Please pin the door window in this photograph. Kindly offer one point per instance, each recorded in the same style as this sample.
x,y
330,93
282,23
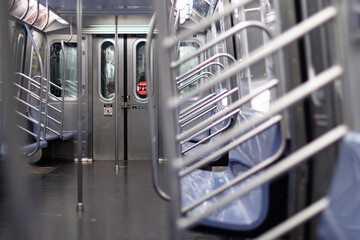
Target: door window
x,y
107,71
140,80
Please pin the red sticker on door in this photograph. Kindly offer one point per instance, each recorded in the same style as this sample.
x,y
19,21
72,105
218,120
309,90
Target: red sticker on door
x,y
141,88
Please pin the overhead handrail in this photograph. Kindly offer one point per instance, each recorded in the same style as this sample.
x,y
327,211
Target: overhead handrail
x,y
289,36
154,150
181,79
293,160
41,93
37,13
235,105
237,28
279,105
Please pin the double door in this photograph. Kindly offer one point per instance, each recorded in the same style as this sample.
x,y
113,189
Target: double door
x,y
133,126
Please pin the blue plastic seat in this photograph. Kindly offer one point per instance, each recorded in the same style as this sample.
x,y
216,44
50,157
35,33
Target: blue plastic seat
x,y
248,212
341,219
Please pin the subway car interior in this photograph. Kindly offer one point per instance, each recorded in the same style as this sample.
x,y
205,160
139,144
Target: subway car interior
x,y
179,119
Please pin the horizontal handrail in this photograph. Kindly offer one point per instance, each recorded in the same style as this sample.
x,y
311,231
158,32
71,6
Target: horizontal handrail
x,y
224,149
27,131
199,115
260,53
296,220
51,83
237,28
195,79
293,160
200,101
208,127
279,105
180,79
193,73
255,169
206,104
230,108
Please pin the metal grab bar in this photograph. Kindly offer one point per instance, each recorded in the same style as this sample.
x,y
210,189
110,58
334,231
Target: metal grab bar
x,y
63,90
226,117
230,108
37,13
213,134
198,27
205,105
71,32
224,149
154,149
200,101
237,28
180,79
271,47
191,81
300,156
203,113
204,102
199,70
296,220
255,169
279,105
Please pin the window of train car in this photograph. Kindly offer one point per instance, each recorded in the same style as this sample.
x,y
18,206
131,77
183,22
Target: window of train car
x,y
185,48
57,69
140,83
107,70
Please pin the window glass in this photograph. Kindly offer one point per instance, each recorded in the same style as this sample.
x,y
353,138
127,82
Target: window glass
x,y
57,69
185,49
107,73
141,84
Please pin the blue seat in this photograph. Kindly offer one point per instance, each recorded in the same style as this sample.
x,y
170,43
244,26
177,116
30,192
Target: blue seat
x,y
248,212
341,219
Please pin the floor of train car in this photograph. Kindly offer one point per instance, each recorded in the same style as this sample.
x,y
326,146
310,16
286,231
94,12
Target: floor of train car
x,y
122,206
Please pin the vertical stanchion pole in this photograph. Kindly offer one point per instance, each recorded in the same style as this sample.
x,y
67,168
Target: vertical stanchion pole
x,y
80,204
116,95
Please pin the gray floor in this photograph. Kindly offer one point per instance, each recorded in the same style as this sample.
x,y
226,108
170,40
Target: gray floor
x,y
122,206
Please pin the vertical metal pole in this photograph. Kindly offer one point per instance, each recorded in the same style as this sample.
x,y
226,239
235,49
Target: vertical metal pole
x,y
168,115
80,204
116,95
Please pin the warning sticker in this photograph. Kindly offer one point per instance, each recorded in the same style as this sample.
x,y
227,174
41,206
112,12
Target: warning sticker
x,y
141,88
108,110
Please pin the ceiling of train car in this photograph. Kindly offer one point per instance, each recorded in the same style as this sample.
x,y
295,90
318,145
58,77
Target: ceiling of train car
x,y
103,7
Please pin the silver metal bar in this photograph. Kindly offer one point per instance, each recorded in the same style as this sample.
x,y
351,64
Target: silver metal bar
x,y
237,28
271,47
80,203
255,169
37,13
224,149
300,156
51,83
117,79
195,79
40,95
298,219
185,110
63,90
226,117
230,108
205,105
29,78
71,32
180,79
279,105
27,131
206,111
28,118
211,135
176,22
191,73
210,100
26,103
195,28
151,109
